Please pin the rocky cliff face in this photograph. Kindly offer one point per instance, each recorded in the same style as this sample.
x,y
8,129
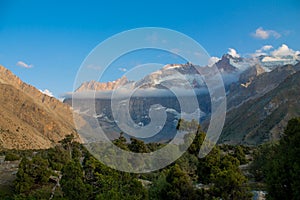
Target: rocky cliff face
x,y
30,119
250,74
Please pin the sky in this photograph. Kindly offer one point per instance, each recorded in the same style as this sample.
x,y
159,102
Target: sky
x,y
45,42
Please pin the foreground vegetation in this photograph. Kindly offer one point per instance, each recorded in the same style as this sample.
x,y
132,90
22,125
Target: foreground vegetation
x,y
69,171
278,164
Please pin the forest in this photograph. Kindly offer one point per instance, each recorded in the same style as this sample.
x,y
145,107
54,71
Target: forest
x,y
69,171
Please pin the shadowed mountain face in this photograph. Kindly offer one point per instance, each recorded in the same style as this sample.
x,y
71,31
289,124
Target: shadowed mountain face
x,y
262,119
30,119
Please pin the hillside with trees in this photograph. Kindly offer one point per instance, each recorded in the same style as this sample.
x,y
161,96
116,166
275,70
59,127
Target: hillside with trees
x,y
69,171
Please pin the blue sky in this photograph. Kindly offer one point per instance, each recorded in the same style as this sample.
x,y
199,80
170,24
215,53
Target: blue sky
x,y
45,42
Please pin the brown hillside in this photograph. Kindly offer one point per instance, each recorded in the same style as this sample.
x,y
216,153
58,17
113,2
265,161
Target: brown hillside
x,y
30,119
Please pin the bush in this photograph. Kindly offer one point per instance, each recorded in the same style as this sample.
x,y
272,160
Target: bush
x,y
11,157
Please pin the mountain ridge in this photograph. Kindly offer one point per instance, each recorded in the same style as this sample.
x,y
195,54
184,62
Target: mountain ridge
x,y
29,118
94,85
232,68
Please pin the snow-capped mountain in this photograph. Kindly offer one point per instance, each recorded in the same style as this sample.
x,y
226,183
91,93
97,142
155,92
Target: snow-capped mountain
x,y
233,68
245,79
173,76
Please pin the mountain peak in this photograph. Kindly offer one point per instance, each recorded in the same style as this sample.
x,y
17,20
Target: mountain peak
x,y
225,64
7,77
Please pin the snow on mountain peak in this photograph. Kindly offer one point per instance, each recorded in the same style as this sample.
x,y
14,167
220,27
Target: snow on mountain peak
x,y
268,59
233,53
231,66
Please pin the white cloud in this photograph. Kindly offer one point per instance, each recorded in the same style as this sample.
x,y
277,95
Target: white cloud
x,y
47,92
24,65
267,47
272,59
213,60
233,53
265,34
284,50
281,53
122,69
262,51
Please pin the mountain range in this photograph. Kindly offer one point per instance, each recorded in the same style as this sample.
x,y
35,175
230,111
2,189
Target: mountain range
x,y
253,85
262,95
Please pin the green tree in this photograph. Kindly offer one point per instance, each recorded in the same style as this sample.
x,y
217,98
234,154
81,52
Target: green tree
x,y
189,164
32,172
158,186
58,157
179,185
72,182
121,142
67,142
221,171
208,164
229,182
240,155
282,172
24,180
261,156
111,184
40,170
196,143
138,146
10,156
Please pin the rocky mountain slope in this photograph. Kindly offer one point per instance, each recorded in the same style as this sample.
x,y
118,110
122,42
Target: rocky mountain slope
x,y
30,119
262,119
256,85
